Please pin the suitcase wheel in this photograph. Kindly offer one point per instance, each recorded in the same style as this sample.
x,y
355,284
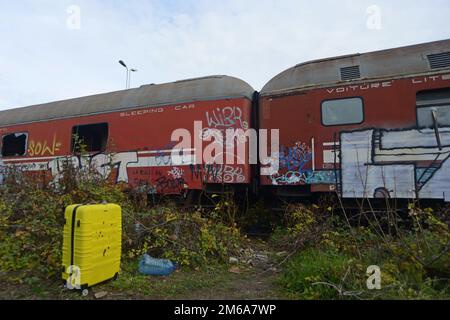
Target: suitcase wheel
x,y
84,290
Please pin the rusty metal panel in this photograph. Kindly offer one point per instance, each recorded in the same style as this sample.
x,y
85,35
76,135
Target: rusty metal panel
x,y
186,91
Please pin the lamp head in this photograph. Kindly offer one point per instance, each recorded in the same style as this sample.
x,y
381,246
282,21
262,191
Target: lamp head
x,y
123,63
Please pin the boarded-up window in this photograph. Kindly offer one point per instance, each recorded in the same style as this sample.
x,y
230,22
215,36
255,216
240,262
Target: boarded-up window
x,y
433,100
14,145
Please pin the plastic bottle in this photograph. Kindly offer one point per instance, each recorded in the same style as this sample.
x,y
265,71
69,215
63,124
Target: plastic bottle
x,y
156,267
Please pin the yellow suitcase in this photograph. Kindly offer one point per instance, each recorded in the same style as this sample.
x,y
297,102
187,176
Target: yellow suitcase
x,y
92,244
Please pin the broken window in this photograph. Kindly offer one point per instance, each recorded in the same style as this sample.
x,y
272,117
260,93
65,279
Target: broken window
x,y
14,145
90,138
433,101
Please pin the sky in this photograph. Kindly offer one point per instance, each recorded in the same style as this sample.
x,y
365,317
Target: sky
x,y
58,49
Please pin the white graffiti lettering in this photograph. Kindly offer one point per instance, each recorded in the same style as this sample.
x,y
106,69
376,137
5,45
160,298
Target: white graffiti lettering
x,y
224,174
223,118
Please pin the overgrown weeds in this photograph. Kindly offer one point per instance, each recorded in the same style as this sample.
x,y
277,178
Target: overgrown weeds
x,y
331,255
191,238
32,220
329,249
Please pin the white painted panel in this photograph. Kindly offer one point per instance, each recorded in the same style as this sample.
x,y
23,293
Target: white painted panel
x,y
439,185
398,180
410,157
361,178
413,138
329,156
168,161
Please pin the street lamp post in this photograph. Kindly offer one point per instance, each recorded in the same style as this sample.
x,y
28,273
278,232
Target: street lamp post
x,y
128,83
129,76
126,67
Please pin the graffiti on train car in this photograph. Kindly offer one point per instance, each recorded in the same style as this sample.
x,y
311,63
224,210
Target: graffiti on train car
x,y
171,180
324,177
139,165
406,163
103,163
196,171
134,161
401,163
227,117
219,173
176,173
167,184
219,152
227,128
293,162
43,148
163,157
229,147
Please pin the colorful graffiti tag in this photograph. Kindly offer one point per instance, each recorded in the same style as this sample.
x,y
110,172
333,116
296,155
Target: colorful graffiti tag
x,y
404,163
293,163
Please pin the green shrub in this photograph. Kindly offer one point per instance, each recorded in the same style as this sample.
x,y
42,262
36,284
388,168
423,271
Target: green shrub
x,y
191,238
32,221
414,260
319,274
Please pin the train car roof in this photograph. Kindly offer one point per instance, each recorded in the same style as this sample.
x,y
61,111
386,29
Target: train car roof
x,y
184,91
402,61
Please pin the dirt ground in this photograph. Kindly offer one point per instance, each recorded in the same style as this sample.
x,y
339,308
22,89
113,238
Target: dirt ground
x,y
257,281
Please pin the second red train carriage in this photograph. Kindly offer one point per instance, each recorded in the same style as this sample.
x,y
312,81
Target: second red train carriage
x,y
364,125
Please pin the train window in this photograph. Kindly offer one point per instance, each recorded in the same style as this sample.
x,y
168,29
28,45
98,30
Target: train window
x,y
342,112
433,100
14,145
90,138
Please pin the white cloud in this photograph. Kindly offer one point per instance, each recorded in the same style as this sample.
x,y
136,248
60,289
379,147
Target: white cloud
x,y
42,60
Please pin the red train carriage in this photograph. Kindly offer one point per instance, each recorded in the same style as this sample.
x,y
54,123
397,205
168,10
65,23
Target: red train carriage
x,y
130,131
364,125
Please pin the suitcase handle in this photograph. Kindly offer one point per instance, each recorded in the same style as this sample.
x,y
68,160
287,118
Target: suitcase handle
x,y
72,249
